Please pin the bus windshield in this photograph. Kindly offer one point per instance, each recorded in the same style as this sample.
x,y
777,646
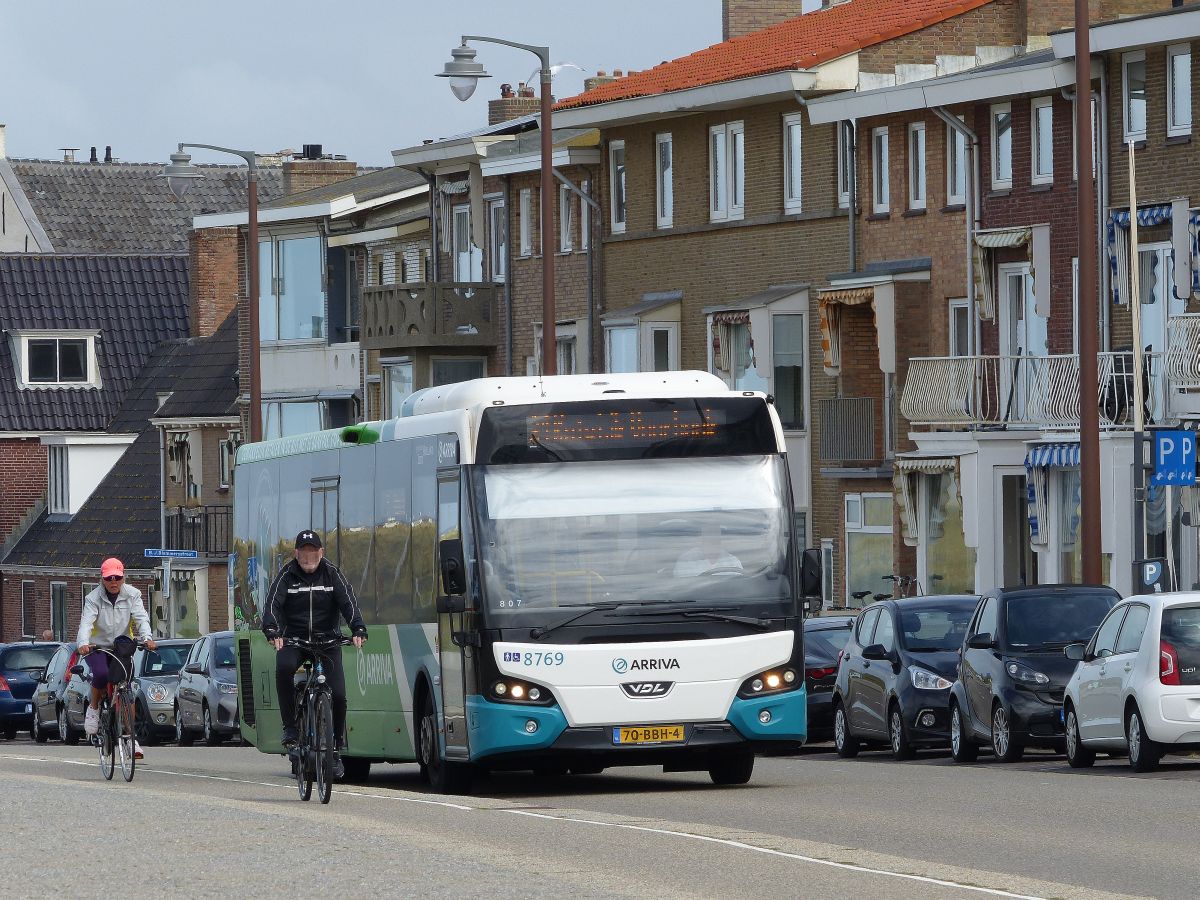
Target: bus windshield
x,y
634,531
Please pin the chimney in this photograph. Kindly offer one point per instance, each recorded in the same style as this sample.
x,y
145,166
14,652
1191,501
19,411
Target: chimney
x,y
3,148
94,157
313,169
108,153
213,285
68,153
740,17
512,105
601,77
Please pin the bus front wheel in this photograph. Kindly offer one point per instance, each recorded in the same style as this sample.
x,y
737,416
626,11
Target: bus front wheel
x,y
732,769
444,777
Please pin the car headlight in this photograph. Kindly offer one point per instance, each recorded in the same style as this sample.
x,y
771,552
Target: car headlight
x,y
928,681
157,693
1025,675
226,688
773,681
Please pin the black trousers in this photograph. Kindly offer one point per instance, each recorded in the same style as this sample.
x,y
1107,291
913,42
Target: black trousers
x,y
286,663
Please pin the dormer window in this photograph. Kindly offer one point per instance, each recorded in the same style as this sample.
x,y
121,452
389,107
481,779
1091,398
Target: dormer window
x,y
57,359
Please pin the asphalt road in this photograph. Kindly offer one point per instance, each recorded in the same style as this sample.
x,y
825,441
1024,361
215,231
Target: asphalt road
x,y
209,822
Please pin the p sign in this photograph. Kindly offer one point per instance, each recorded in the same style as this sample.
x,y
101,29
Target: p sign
x,y
1174,457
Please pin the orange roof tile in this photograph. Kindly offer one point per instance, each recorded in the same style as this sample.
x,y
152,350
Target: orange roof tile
x,y
798,43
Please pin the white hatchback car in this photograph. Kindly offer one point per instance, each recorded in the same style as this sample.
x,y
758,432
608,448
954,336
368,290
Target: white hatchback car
x,y
1136,688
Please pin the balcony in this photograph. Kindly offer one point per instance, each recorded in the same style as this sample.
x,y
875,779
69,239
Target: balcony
x,y
428,314
847,429
206,529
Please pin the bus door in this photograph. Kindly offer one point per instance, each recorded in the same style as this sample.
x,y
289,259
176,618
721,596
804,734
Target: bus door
x,y
454,659
323,514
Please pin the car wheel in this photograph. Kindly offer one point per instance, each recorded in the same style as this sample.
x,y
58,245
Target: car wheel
x,y
962,748
1006,748
66,733
844,742
1144,754
211,736
1078,756
142,729
37,733
183,737
10,732
901,747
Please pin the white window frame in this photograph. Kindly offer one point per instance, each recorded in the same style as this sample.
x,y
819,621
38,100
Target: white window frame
x,y
226,455
728,183
843,171
664,191
860,526
525,223
956,161
881,187
565,334
1000,183
58,479
1128,59
497,249
385,383
472,256
1036,137
565,219
916,166
956,307
793,189
27,626
608,344
804,372
1075,304
1176,126
617,225
92,379
61,629
585,216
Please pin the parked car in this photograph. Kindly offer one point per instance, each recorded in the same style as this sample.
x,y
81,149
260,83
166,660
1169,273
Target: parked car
x,y
893,683
206,701
824,638
1013,673
156,679
20,664
59,700
1136,687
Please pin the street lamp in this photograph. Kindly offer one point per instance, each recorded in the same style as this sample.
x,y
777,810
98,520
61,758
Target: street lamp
x,y
464,74
180,175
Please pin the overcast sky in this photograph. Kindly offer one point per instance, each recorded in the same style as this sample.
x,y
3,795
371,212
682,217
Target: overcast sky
x,y
353,75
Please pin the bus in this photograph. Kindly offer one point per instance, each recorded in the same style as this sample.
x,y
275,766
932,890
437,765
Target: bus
x,y
558,574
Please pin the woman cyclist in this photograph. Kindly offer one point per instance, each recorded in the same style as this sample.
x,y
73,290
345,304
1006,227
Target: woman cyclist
x,y
108,612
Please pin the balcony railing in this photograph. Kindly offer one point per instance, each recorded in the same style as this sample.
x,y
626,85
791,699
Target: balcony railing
x,y
206,529
847,429
1183,352
1031,391
428,314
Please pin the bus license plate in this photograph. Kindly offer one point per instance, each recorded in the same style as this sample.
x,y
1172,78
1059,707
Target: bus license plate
x,y
649,734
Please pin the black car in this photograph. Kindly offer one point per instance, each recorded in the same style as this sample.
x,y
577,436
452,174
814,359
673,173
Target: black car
x,y
893,683
20,664
824,638
1013,673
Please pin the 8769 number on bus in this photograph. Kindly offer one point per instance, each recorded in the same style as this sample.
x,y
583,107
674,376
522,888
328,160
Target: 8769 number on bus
x,y
535,657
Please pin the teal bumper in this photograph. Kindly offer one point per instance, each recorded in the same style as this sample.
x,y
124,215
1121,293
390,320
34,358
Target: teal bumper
x,y
789,719
501,727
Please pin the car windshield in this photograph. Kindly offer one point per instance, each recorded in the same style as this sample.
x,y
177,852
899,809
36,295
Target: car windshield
x,y
656,530
1055,620
165,660
826,642
27,658
940,627
1181,629
223,654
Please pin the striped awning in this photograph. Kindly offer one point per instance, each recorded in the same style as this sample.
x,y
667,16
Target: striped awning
x,y
906,472
829,320
1052,456
1147,216
732,317
848,296
925,463
1003,237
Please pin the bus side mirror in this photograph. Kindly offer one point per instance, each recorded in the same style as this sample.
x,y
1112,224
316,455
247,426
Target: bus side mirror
x,y
454,568
810,573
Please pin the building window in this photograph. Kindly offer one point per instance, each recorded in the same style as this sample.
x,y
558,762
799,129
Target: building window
x,y
616,184
227,454
585,216
1095,141
57,360
525,225
1133,93
468,259
28,610
843,165
59,491
566,224
949,564
1041,124
566,339
868,542
642,347
665,167
727,171
793,160
788,336
58,610
621,349
1002,146
916,165
291,288
1179,90
735,356
960,327
880,180
498,239
397,385
284,419
453,369
889,415
956,167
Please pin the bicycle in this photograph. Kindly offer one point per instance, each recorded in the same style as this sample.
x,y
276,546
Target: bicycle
x,y
905,584
312,757
118,715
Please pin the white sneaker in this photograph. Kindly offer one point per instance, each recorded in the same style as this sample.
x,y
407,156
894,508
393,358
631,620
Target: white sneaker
x,y
91,722
137,751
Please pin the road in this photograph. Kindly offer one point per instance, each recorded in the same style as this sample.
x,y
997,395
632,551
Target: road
x,y
219,822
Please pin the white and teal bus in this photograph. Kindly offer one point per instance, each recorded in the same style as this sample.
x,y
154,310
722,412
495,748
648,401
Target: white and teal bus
x,y
558,574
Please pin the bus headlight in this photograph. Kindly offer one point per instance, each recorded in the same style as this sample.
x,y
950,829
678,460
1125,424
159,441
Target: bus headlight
x,y
512,690
772,681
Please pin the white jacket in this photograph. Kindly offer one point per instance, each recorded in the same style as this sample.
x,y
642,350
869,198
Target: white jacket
x,y
104,620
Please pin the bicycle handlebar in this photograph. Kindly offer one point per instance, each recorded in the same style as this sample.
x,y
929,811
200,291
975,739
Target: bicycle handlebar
x,y
340,640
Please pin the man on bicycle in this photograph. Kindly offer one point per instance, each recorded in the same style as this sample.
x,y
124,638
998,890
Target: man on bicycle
x,y
108,612
304,601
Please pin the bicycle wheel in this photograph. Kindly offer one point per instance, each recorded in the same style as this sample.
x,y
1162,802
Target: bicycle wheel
x,y
326,746
304,774
104,740
125,734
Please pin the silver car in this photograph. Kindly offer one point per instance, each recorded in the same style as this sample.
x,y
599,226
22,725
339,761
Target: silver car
x,y
207,701
156,680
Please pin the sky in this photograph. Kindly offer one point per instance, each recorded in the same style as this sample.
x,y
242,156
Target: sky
x,y
355,76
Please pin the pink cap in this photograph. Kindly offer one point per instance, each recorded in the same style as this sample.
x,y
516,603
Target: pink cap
x,y
112,566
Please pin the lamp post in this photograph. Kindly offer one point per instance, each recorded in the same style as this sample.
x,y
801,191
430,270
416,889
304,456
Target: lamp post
x,y
180,174
464,74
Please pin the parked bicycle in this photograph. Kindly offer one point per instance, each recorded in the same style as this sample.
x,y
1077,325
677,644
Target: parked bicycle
x,y
115,736
313,756
904,585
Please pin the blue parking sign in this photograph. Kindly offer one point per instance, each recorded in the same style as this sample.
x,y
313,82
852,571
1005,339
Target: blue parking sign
x,y
1174,457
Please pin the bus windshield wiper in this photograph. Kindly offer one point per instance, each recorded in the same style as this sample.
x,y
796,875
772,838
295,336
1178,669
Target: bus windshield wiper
x,y
553,454
543,630
707,612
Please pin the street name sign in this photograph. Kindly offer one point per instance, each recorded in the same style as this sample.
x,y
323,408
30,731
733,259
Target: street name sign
x,y
155,553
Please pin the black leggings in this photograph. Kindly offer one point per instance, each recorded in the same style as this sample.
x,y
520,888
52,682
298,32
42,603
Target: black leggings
x,y
287,662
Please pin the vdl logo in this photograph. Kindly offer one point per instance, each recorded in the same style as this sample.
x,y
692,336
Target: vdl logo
x,y
620,666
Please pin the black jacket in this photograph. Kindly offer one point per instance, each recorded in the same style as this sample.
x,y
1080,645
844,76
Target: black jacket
x,y
307,606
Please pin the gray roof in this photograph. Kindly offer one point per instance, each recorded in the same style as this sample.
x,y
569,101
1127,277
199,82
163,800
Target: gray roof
x,y
649,303
762,298
208,386
135,302
531,142
369,186
886,267
127,207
